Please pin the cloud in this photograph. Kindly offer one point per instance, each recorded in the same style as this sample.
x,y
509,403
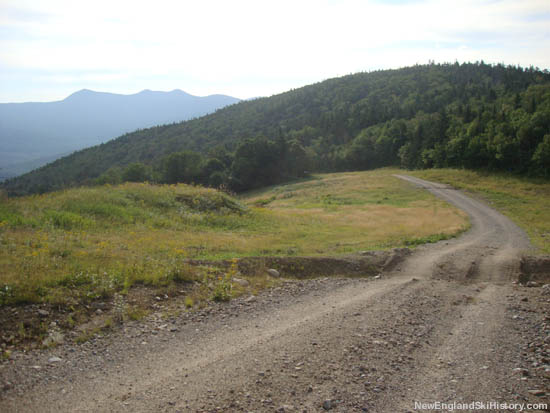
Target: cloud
x,y
257,47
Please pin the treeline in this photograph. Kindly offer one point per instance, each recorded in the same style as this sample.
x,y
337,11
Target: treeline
x,y
255,163
469,115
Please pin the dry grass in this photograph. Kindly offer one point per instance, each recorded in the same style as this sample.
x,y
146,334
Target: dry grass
x,y
86,243
347,212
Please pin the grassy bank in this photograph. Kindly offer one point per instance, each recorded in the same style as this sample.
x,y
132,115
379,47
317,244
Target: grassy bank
x,y
525,201
82,244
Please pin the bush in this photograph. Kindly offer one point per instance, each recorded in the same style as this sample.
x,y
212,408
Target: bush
x,y
66,220
10,216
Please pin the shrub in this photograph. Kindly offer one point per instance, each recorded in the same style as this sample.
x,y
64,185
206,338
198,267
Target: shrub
x,y
66,220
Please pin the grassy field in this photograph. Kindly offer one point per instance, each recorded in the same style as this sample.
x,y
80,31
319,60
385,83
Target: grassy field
x,y
82,244
349,212
526,201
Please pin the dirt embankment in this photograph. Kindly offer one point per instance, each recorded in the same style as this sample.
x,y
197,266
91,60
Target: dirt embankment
x,y
535,269
367,263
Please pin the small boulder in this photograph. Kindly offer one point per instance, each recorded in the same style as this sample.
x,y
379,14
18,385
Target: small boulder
x,y
273,273
54,360
43,313
242,282
54,338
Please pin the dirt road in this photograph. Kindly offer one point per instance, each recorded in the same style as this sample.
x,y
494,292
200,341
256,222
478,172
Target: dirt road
x,y
446,325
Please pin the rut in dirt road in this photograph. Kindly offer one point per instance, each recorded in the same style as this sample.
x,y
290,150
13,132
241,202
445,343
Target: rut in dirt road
x,y
438,327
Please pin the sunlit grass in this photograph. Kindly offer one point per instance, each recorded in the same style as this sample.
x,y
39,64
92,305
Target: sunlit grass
x,y
347,212
526,201
86,243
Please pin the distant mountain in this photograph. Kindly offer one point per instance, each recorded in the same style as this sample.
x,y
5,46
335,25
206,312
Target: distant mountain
x,y
19,168
470,115
32,134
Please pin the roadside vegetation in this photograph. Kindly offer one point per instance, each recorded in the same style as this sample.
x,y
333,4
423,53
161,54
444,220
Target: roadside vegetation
x,y
83,244
524,200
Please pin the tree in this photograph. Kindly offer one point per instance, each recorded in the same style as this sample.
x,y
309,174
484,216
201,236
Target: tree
x,y
254,164
182,167
296,161
406,156
136,172
541,157
213,173
361,154
111,176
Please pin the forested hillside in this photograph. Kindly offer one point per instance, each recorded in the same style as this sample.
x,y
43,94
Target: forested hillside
x,y
456,115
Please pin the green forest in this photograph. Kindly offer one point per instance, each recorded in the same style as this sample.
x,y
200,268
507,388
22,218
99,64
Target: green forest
x,y
471,115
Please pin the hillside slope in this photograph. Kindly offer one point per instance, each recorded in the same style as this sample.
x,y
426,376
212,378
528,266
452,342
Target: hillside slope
x,y
33,131
468,115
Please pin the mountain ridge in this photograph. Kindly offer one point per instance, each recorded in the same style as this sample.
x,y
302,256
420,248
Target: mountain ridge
x,y
30,131
85,91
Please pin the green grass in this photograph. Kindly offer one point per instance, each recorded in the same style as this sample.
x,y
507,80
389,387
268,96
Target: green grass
x,y
526,201
82,244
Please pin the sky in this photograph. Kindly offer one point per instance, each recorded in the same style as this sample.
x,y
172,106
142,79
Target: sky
x,y
250,48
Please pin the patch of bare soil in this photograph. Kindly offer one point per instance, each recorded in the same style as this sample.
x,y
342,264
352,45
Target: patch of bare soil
x,y
27,327
35,326
448,323
366,263
535,269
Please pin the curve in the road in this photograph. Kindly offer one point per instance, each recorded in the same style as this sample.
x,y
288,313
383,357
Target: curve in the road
x,y
490,250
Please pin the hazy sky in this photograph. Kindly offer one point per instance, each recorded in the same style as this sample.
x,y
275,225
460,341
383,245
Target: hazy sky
x,y
51,48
